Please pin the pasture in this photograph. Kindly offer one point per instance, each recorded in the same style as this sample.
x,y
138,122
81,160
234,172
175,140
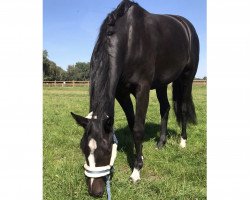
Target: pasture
x,y
169,173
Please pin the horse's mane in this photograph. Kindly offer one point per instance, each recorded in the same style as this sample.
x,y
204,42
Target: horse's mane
x,y
99,65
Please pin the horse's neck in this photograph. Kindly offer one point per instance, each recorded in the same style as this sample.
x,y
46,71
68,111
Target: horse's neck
x,y
103,100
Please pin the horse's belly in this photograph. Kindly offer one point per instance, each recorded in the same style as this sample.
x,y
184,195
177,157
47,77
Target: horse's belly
x,y
166,72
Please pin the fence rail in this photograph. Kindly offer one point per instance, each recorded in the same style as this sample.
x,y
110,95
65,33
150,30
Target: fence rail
x,y
82,83
64,83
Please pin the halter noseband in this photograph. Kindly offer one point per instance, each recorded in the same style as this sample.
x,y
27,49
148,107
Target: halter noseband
x,y
96,172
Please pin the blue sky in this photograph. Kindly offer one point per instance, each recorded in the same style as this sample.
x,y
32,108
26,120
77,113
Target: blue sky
x,y
70,27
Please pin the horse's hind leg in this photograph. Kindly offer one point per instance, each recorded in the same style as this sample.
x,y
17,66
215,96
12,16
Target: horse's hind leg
x,y
187,89
164,111
183,103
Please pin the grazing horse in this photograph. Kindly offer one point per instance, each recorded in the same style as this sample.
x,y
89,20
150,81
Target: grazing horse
x,y
136,51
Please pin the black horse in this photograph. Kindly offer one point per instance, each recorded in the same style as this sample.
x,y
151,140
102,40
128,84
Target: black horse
x,y
137,51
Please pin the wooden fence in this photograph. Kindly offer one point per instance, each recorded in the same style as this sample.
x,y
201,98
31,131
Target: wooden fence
x,y
82,83
200,82
64,83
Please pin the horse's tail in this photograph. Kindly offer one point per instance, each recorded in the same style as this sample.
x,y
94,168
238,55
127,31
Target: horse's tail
x,y
183,102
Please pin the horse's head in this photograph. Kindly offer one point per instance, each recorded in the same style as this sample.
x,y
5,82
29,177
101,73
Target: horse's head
x,y
99,150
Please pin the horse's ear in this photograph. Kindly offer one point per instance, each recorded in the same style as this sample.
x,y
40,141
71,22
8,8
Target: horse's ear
x,y
108,124
82,121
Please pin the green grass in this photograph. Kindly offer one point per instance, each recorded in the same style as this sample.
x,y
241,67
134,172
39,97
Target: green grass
x,y
169,173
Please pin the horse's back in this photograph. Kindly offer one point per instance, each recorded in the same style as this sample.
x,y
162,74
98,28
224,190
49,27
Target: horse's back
x,y
174,47
158,47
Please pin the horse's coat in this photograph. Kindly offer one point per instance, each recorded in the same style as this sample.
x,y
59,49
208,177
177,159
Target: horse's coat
x,y
137,51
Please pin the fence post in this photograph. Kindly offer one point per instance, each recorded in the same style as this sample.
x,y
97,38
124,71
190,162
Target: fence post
x,y
73,83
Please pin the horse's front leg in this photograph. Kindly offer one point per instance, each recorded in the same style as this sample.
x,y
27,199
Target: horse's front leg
x,y
142,98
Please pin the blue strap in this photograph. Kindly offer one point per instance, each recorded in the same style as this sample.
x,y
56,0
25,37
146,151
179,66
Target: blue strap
x,y
108,187
111,172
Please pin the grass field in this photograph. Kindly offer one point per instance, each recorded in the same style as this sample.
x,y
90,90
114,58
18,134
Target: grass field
x,y
170,173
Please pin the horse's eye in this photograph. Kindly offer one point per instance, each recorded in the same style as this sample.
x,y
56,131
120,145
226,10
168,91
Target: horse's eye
x,y
109,33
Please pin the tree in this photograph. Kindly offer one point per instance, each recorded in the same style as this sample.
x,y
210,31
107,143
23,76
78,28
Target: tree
x,y
78,72
71,73
51,71
46,63
82,69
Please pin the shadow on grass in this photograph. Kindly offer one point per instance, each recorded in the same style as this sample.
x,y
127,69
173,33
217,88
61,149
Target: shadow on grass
x,y
126,143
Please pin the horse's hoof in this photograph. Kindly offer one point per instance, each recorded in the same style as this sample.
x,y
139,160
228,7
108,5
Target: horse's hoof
x,y
183,143
135,176
134,180
160,144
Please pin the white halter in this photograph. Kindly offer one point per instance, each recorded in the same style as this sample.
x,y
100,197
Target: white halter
x,y
96,172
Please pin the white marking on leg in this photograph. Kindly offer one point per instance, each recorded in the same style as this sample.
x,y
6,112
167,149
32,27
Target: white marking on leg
x,y
91,158
183,143
135,176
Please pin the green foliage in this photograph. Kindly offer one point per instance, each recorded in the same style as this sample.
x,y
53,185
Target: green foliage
x,y
51,72
46,63
169,173
78,72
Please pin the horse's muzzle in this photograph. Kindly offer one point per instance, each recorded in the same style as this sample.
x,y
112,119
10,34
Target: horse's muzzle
x,y
96,194
97,188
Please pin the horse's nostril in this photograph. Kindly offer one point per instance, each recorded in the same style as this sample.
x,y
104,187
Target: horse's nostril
x,y
96,194
99,194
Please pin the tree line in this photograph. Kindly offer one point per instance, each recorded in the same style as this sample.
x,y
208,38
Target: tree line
x,y
75,72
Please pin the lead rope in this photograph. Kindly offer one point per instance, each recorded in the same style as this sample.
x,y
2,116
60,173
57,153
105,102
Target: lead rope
x,y
111,172
108,187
